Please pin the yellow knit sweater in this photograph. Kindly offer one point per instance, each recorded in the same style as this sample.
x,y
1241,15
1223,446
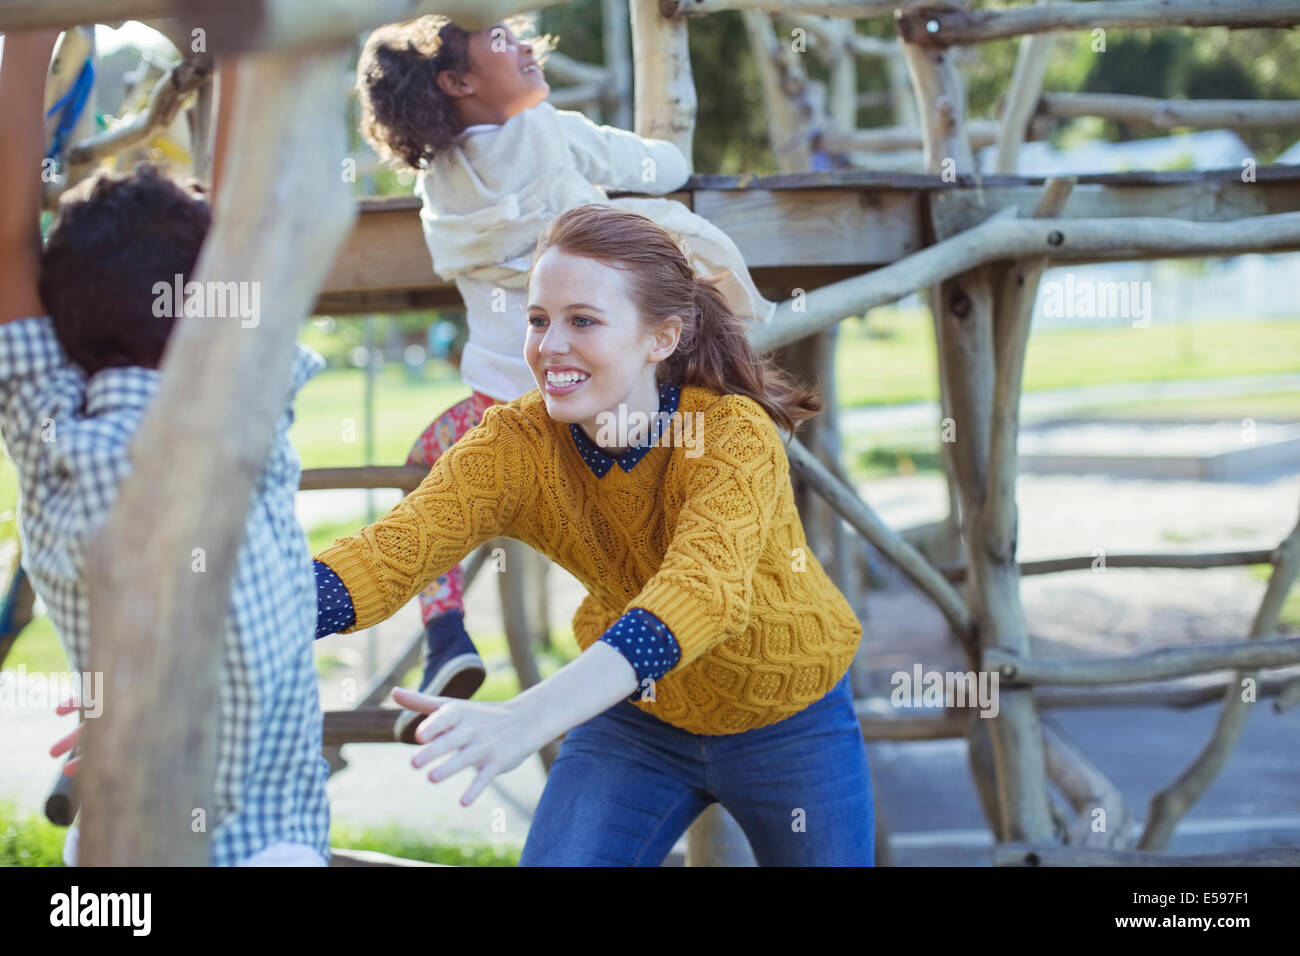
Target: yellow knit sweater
x,y
703,535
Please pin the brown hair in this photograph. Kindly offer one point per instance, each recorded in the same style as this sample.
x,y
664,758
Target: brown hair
x,y
405,116
713,350
115,237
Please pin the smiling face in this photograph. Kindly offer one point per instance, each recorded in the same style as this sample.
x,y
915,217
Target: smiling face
x,y
586,345
503,79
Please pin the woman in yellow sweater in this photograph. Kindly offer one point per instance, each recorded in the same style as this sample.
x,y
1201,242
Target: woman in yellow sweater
x,y
715,649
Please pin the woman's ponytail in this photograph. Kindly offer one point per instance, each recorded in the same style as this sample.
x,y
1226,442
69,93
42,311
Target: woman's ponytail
x,y
714,352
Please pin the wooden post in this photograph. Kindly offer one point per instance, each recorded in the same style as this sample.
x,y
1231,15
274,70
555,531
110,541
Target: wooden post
x,y
260,24
664,88
1022,95
792,107
157,626
614,38
963,308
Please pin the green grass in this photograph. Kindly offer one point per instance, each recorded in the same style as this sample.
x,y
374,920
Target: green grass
x,y
1288,619
397,842
38,649
329,425
1265,406
892,358
28,839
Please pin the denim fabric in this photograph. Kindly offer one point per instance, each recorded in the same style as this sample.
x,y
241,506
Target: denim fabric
x,y
626,785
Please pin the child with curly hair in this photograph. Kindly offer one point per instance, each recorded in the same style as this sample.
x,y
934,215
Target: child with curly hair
x,y
495,165
715,648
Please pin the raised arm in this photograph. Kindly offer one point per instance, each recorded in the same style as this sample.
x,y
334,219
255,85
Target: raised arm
x,y
25,60
618,159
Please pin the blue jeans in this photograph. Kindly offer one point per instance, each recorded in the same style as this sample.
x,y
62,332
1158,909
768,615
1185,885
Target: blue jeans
x,y
626,785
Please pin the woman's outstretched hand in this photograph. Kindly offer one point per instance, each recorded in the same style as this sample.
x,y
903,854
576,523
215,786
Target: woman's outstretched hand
x,y
492,737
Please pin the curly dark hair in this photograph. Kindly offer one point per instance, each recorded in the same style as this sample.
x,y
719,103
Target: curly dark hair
x,y
405,116
115,237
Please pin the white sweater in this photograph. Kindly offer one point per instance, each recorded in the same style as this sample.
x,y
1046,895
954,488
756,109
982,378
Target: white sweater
x,y
487,199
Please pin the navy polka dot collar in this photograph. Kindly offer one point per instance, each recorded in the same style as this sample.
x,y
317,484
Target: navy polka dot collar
x,y
600,463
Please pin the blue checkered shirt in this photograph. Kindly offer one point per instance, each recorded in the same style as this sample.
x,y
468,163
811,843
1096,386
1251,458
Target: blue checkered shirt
x,y
69,438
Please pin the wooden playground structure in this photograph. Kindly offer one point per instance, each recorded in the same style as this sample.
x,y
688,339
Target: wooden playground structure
x,y
826,244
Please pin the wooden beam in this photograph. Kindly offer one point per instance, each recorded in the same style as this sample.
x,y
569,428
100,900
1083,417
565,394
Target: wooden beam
x,y
1166,114
1154,665
1006,238
232,26
800,224
1089,791
405,477
1214,559
569,70
934,182
202,442
872,527
783,228
1182,694
944,27
362,725
982,133
851,9
831,44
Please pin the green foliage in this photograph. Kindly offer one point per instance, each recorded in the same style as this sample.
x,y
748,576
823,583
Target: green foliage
x,y
401,843
28,839
893,359
38,649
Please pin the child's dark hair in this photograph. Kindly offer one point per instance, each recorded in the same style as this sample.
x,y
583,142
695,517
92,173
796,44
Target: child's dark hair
x,y
405,116
713,350
115,237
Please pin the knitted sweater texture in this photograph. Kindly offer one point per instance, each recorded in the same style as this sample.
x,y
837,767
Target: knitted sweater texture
x,y
702,532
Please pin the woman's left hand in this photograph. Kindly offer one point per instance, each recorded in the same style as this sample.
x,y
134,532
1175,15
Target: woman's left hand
x,y
493,737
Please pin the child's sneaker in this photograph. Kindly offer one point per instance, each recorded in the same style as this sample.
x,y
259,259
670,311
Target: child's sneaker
x,y
452,668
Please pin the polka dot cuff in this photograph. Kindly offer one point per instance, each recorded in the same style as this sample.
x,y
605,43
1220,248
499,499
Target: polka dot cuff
x,y
647,643
334,610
